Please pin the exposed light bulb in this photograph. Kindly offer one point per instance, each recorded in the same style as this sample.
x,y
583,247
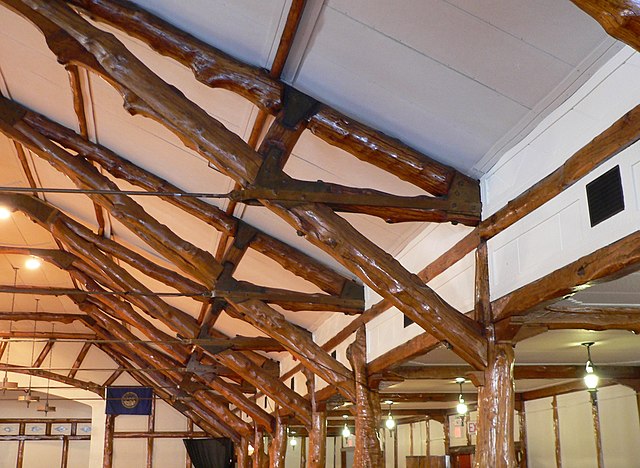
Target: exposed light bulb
x,y
293,442
33,263
346,432
250,450
591,379
390,423
461,407
5,213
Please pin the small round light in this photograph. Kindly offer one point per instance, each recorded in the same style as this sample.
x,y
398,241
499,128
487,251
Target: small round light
x,y
346,432
390,423
591,380
250,450
293,442
461,407
33,263
5,213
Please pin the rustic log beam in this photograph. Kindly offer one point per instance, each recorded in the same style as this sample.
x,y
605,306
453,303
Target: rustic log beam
x,y
113,377
613,261
318,432
620,18
231,155
90,386
208,63
47,335
41,317
299,344
278,447
418,397
495,445
367,452
239,343
561,389
78,362
46,349
581,317
119,167
619,136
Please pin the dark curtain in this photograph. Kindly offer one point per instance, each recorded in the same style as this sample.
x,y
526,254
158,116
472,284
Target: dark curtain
x,y
210,453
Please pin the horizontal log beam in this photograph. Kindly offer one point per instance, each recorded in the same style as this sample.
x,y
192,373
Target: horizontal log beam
x,y
620,18
613,261
239,343
47,335
581,317
42,317
561,389
520,372
160,435
90,386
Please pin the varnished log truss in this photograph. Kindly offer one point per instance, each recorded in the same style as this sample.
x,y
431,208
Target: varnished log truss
x,y
216,371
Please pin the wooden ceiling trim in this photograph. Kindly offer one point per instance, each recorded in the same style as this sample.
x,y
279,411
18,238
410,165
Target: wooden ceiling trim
x,y
43,354
47,335
623,133
148,94
215,68
41,316
288,257
79,359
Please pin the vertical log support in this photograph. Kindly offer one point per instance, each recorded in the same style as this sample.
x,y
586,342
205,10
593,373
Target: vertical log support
x,y
151,428
556,431
257,448
495,444
278,447
523,435
318,433
64,460
108,441
427,441
242,453
595,412
367,452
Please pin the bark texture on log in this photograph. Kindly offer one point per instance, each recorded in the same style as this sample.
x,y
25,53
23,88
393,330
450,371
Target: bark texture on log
x,y
318,432
620,18
278,447
495,444
367,452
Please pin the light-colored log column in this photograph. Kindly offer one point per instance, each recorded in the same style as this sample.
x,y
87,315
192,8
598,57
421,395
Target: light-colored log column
x,y
242,454
367,451
556,431
278,447
595,412
318,433
495,444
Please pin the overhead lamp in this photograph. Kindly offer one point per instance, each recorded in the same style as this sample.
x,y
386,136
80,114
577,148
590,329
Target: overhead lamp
x,y
250,450
6,383
389,422
5,213
590,377
345,431
293,442
33,263
461,407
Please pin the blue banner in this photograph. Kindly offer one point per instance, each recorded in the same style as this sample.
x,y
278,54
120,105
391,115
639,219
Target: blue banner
x,y
129,400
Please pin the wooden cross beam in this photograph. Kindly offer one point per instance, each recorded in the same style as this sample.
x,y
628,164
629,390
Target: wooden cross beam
x,y
520,372
90,386
620,18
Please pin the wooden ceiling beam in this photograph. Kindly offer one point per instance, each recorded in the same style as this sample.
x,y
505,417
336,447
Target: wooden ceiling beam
x,y
620,18
79,359
46,349
90,386
41,317
47,335
520,372
581,317
217,69
613,261
148,94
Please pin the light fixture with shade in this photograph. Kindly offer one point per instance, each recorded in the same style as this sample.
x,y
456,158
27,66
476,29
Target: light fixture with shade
x,y
32,263
345,430
389,422
590,377
6,383
47,408
292,438
5,213
461,407
29,398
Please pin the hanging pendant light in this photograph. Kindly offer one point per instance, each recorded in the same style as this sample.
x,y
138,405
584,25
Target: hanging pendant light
x,y
46,408
345,431
591,379
6,383
389,422
461,407
29,397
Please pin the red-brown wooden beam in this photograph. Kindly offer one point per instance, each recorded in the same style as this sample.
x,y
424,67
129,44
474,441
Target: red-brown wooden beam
x,y
620,18
78,362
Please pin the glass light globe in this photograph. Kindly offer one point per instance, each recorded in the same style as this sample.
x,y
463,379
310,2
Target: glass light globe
x,y
293,442
591,380
390,423
250,450
33,263
346,432
462,407
4,212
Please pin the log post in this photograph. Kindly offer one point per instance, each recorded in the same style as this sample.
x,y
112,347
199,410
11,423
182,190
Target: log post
x,y
495,445
108,440
257,448
595,412
278,447
556,431
367,452
318,433
151,428
523,435
242,454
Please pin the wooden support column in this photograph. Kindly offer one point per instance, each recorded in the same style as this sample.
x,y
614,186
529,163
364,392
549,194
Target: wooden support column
x,y
20,457
242,454
496,400
318,432
395,447
188,463
278,447
595,412
367,452
65,452
556,431
523,435
108,440
258,451
447,435
303,452
151,427
427,442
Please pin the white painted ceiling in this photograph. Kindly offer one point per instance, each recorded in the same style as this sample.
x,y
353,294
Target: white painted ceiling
x,y
459,80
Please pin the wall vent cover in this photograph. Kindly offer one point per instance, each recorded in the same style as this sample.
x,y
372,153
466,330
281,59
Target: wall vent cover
x,y
605,197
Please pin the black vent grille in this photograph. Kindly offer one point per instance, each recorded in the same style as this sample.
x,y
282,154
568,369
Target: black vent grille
x,y
605,197
407,321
